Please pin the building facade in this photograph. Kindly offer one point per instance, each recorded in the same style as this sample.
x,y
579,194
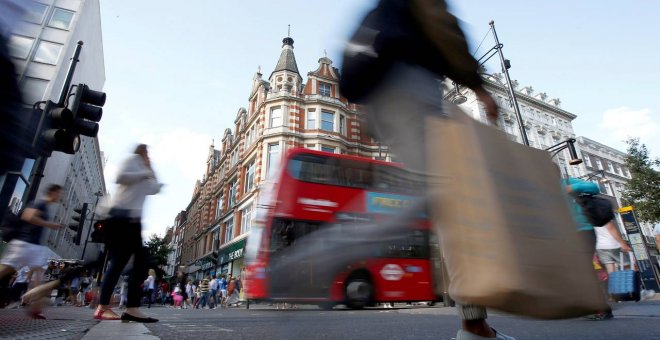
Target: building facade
x,y
606,164
607,168
545,122
283,112
41,49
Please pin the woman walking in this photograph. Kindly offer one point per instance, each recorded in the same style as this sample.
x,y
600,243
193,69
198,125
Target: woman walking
x,y
136,180
190,295
149,286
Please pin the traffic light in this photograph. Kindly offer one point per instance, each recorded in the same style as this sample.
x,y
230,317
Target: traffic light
x,y
87,110
54,131
97,233
78,217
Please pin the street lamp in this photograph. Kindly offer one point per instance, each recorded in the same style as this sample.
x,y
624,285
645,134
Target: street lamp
x,y
458,98
567,144
91,223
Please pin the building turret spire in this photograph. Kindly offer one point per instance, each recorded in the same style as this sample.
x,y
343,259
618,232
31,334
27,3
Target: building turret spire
x,y
287,59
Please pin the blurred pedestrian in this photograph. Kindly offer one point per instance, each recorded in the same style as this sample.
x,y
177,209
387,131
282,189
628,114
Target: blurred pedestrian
x,y
576,187
177,297
223,290
149,285
14,139
136,179
190,295
181,283
232,291
123,292
20,284
25,248
393,64
198,295
213,291
204,291
610,247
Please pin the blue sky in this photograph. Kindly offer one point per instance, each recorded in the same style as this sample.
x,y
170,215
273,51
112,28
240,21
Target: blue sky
x,y
177,75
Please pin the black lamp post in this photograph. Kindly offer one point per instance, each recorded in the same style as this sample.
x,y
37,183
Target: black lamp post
x,y
458,98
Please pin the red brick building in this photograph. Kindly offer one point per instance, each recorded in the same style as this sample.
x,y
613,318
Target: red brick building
x,y
283,113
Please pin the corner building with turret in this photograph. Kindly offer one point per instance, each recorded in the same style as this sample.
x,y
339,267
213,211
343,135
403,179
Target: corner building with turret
x,y
283,112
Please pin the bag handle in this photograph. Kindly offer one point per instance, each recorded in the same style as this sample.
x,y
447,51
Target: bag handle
x,y
631,258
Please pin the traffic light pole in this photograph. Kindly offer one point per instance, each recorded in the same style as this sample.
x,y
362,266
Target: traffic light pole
x,y
40,164
91,224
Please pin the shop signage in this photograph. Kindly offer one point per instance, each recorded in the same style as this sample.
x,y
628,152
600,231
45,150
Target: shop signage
x,y
646,270
206,262
231,252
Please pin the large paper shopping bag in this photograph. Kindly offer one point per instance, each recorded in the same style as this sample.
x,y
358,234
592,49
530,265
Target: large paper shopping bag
x,y
509,239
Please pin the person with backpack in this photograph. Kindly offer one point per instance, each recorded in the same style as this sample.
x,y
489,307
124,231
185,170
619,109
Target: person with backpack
x,y
583,211
25,248
392,65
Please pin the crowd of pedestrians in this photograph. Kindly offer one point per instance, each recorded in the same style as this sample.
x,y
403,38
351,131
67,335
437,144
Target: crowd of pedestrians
x,y
210,292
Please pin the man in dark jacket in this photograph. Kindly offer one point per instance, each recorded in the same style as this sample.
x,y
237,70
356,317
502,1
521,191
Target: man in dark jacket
x,y
393,64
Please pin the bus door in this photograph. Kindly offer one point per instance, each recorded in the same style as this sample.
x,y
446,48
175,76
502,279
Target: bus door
x,y
296,269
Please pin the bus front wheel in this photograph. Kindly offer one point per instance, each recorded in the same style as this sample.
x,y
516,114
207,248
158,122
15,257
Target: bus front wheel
x,y
359,292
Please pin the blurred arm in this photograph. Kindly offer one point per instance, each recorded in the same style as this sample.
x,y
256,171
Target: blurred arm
x,y
33,216
442,29
614,231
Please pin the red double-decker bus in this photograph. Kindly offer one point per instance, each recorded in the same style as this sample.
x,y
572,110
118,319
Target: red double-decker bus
x,y
332,232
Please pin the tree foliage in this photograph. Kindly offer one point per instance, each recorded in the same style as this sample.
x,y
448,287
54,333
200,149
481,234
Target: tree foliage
x,y
643,190
158,252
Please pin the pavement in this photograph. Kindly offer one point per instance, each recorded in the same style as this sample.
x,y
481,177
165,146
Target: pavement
x,y
261,321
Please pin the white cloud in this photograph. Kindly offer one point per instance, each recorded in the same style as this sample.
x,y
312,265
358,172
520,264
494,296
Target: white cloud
x,y
183,149
623,123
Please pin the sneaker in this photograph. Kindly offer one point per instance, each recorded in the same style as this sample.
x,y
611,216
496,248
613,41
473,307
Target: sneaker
x,y
647,294
600,316
465,335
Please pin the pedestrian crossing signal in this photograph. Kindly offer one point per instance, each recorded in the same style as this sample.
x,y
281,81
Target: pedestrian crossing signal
x,y
98,234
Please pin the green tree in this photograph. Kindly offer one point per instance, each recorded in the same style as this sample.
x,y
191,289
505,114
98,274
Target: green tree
x,y
158,252
643,190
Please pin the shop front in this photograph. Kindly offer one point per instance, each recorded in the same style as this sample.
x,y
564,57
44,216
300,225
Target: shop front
x,y
207,266
230,258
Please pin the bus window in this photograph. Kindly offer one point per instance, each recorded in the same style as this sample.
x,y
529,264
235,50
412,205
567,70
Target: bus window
x,y
285,233
349,173
414,245
315,169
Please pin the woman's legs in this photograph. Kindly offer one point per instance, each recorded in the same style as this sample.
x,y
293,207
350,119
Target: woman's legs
x,y
119,257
